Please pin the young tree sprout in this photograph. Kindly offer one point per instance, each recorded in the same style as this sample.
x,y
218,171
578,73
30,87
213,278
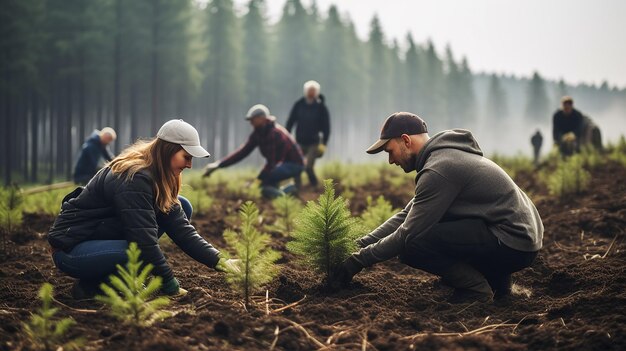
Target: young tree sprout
x,y
130,292
569,178
44,331
256,265
377,213
287,208
325,232
11,200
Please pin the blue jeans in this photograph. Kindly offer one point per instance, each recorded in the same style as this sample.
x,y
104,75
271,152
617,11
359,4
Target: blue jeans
x,y
94,260
270,181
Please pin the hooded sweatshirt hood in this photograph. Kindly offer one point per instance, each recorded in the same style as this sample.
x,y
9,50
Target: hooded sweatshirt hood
x,y
459,139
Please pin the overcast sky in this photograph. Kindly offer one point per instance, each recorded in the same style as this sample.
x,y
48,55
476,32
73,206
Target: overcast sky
x,y
577,40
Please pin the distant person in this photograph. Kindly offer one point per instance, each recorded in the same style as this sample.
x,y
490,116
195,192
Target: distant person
x,y
135,198
467,222
284,157
571,129
312,120
536,140
94,149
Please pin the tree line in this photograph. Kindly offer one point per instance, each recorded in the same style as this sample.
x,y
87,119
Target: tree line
x,y
69,66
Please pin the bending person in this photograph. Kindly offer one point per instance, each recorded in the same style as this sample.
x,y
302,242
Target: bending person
x,y
133,199
283,155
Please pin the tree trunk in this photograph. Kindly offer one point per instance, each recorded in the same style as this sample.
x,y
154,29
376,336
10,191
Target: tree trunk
x,y
155,69
117,71
34,132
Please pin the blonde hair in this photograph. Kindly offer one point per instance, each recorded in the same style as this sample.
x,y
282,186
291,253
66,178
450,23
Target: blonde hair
x,y
153,155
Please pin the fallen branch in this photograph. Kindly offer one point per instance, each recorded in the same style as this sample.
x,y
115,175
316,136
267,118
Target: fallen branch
x,y
610,246
481,330
43,188
293,304
74,309
306,333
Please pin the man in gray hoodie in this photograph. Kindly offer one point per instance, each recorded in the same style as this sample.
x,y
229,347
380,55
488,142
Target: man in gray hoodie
x,y
468,222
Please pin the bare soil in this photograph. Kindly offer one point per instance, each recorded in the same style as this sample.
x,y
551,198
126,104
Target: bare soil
x,y
572,298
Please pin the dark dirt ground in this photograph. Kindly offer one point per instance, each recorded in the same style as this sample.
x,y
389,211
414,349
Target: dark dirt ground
x,y
572,298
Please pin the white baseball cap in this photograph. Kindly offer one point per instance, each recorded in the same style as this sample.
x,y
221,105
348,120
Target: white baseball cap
x,y
257,110
180,132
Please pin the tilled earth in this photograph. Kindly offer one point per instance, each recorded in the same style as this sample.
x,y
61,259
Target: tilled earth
x,y
573,297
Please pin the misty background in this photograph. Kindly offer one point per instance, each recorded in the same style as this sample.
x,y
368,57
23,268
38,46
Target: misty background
x,y
68,67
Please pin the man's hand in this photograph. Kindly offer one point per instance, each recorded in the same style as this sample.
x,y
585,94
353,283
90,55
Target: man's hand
x,y
228,265
210,168
343,274
321,149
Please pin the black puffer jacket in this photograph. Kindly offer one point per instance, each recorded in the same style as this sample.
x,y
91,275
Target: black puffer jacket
x,y
310,120
110,208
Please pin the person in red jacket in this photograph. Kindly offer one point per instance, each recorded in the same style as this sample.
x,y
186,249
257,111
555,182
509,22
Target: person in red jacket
x,y
282,153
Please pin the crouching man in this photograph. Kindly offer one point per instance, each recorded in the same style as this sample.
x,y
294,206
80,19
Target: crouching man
x,y
468,222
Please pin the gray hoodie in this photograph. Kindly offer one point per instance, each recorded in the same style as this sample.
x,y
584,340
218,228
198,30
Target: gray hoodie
x,y
454,181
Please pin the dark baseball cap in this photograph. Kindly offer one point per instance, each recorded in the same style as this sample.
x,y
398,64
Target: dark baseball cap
x,y
395,125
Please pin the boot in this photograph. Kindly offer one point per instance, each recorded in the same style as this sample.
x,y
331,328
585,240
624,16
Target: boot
x,y
469,284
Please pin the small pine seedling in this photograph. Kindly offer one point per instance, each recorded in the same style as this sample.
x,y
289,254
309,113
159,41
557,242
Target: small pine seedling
x,y
44,331
569,178
377,213
11,200
325,232
132,304
287,208
256,259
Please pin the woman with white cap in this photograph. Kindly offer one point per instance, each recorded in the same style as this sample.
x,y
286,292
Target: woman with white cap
x,y
133,199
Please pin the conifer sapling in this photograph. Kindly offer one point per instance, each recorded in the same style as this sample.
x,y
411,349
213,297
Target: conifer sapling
x,y
44,331
255,266
11,200
377,213
325,232
287,209
134,306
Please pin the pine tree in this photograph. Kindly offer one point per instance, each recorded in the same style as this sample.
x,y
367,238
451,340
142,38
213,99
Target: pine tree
x,y
256,260
325,232
287,209
377,213
497,107
537,103
134,306
44,331
11,200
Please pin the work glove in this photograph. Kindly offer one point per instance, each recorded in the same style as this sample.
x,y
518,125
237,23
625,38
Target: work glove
x,y
210,168
343,274
228,265
321,148
172,288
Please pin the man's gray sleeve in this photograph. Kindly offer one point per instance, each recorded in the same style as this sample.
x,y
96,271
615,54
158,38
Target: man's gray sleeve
x,y
386,228
434,195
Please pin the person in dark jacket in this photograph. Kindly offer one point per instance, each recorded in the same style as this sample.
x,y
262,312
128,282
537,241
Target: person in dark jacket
x,y
284,157
312,120
571,129
468,222
93,150
536,141
133,199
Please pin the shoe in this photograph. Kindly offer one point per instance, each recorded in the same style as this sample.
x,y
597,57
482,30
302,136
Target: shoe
x,y
469,296
82,290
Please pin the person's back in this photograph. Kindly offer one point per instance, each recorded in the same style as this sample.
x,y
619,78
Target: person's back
x,y
486,191
93,149
310,120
